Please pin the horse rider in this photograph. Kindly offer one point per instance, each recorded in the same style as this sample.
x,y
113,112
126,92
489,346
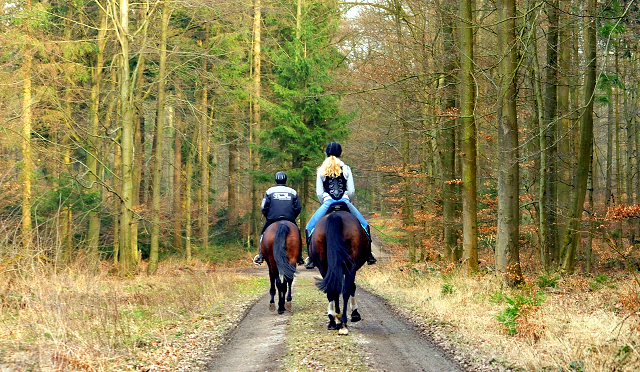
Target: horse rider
x,y
280,202
334,183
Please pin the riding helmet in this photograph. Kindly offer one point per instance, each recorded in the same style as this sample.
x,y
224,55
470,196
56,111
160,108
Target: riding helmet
x,y
334,149
281,178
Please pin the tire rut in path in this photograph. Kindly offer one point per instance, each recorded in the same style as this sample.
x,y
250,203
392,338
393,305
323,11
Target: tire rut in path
x,y
393,343
256,344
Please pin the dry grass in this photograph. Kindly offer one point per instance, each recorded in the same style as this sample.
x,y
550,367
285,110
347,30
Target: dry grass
x,y
580,325
310,347
73,321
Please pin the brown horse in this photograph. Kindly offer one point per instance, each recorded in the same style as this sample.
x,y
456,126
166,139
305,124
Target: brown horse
x,y
339,247
280,246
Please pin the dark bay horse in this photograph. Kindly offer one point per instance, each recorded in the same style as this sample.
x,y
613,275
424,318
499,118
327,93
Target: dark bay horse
x,y
339,247
280,246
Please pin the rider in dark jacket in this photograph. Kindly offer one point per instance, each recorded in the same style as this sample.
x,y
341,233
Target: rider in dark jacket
x,y
279,203
334,183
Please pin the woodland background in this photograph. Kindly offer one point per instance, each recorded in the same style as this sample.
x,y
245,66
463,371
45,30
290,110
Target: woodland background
x,y
494,146
136,131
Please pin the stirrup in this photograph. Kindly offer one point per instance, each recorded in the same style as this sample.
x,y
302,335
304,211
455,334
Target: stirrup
x,y
258,259
309,264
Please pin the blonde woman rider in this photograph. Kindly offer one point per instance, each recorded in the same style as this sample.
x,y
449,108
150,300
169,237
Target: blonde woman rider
x,y
334,183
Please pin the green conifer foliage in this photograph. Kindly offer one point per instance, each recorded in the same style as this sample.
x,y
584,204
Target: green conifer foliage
x,y
303,106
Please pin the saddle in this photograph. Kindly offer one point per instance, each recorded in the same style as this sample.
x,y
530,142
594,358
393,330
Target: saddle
x,y
339,206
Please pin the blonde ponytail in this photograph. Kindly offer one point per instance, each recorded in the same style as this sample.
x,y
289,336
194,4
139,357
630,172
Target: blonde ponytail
x,y
330,167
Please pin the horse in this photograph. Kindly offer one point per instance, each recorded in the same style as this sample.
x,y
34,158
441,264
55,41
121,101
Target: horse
x,y
280,246
338,248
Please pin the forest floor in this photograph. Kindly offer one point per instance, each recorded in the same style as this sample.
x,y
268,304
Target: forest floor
x,y
182,318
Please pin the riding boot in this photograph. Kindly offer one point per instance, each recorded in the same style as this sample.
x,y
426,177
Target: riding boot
x,y
309,264
258,259
300,259
370,260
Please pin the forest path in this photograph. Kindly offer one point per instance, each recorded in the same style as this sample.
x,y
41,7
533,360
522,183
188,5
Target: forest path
x,y
382,341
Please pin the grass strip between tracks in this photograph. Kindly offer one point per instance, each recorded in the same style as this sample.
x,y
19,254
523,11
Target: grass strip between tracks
x,y
310,346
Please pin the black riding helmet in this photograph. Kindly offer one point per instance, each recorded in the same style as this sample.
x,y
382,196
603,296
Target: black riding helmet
x,y
334,149
281,178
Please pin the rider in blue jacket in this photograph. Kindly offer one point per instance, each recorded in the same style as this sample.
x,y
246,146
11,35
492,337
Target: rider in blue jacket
x,y
334,183
279,203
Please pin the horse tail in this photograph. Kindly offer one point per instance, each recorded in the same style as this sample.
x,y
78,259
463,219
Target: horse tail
x,y
280,252
338,260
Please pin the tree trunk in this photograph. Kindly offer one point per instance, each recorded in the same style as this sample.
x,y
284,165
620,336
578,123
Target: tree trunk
x,y
232,201
158,142
564,147
126,109
507,254
590,232
448,146
550,110
408,194
178,211
616,101
586,140
204,163
542,200
94,147
467,120
187,195
254,133
27,160
609,197
630,158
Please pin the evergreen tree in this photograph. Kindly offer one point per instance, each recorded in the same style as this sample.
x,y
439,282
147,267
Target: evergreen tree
x,y
303,110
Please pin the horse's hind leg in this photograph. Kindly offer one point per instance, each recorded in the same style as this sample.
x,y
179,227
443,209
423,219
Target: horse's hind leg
x,y
272,292
355,315
287,305
346,293
332,312
282,291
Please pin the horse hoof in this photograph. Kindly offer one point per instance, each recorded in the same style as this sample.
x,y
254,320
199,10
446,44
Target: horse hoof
x,y
287,305
332,323
355,316
272,307
343,331
280,311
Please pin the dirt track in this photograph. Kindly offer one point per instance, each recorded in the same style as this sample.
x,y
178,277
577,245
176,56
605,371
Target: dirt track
x,y
385,340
